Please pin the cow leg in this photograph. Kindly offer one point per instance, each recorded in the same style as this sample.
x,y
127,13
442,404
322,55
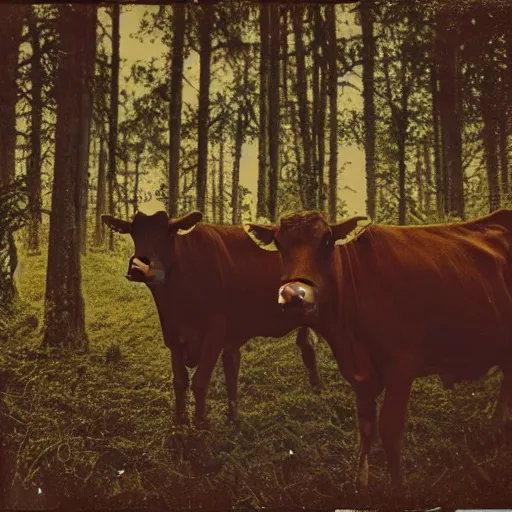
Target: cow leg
x,y
392,421
180,383
210,352
309,357
231,364
366,416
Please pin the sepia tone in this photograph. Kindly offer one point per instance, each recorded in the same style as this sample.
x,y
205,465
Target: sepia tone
x,y
145,357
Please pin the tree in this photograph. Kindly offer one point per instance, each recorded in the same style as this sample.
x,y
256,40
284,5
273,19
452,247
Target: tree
x,y
309,177
490,117
333,110
113,117
13,216
241,124
100,189
367,15
450,107
503,151
35,162
428,177
178,24
263,141
101,120
86,108
274,112
205,56
320,74
64,306
10,39
441,189
221,181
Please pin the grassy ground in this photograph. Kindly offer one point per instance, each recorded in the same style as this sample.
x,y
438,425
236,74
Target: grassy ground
x,y
97,429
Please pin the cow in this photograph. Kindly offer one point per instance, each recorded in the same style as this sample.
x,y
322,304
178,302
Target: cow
x,y
399,302
201,277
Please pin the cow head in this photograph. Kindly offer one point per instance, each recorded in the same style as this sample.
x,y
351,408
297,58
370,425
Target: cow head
x,y
154,239
307,244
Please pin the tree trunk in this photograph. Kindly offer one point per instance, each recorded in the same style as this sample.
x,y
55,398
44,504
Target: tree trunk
x,y
284,51
400,122
304,116
10,40
178,42
402,204
490,132
205,42
320,28
136,185
34,162
419,181
113,119
428,178
451,116
99,233
314,13
366,7
85,130
403,125
263,142
503,143
507,86
64,305
439,174
235,182
296,149
333,111
221,181
126,161
214,195
274,112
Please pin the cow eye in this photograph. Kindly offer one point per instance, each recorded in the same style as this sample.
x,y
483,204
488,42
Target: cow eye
x,y
327,240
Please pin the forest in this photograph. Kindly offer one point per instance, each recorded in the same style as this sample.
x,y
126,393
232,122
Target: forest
x,y
243,111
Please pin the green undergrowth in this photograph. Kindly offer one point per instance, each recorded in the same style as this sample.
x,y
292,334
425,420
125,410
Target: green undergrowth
x,y
97,429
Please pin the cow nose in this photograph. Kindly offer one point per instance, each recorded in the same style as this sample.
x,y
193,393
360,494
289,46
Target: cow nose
x,y
291,293
139,269
298,294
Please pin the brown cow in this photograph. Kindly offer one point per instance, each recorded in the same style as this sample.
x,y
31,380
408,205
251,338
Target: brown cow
x,y
396,303
204,291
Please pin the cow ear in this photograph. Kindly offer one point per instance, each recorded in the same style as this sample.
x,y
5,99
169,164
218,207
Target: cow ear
x,y
185,224
350,229
262,236
121,226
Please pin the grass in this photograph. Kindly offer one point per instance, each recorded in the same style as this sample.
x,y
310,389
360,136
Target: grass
x,y
97,429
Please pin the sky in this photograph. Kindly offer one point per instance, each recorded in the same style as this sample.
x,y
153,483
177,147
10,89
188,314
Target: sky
x,y
349,158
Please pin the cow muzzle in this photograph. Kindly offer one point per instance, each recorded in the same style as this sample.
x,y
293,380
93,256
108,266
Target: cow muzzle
x,y
140,270
298,295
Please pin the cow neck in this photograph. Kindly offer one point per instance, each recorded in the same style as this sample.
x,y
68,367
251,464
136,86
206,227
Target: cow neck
x,y
202,265
353,358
